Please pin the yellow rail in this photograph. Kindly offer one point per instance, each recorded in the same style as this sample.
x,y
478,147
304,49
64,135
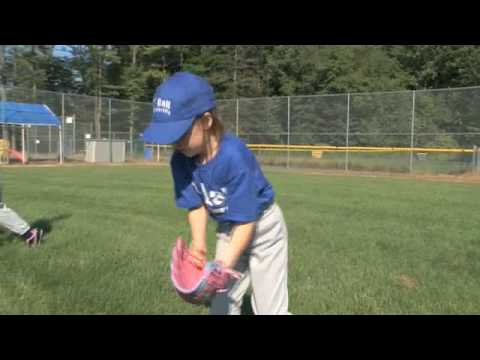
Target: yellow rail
x,y
327,148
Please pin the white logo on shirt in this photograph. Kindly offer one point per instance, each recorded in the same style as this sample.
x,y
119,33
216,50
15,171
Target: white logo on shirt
x,y
215,200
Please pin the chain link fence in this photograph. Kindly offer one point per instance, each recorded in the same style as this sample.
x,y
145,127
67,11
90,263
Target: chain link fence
x,y
423,131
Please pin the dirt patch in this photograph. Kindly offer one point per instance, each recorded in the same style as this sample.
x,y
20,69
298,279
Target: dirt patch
x,y
84,164
407,281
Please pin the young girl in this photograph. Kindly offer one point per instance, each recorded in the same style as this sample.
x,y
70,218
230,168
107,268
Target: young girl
x,y
215,174
10,220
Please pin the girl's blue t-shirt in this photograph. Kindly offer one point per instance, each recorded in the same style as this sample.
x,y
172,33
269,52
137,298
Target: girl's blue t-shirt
x,y
231,185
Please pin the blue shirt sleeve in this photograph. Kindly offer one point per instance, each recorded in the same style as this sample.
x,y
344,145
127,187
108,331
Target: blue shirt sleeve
x,y
241,189
185,195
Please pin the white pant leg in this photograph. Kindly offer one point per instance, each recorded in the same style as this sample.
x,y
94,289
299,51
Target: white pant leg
x,y
12,221
269,265
230,302
264,266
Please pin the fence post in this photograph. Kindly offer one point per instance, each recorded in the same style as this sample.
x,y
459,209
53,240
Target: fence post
x,y
412,135
49,140
347,134
478,159
24,144
110,128
131,142
236,118
74,130
288,132
3,99
475,160
35,146
27,148
60,130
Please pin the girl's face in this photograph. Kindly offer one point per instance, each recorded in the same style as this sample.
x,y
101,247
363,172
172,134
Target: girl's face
x,y
193,142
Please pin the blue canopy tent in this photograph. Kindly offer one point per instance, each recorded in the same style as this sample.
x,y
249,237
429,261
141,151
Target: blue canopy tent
x,y
12,113
21,114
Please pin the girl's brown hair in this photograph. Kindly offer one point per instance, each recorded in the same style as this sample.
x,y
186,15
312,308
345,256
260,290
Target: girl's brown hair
x,y
217,127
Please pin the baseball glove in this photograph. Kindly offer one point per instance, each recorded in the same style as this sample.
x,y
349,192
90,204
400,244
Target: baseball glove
x,y
198,285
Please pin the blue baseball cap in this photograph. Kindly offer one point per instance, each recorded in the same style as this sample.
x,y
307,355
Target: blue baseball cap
x,y
181,99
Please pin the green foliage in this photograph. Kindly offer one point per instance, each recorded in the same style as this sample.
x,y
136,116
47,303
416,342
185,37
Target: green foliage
x,y
93,62
439,66
59,75
245,70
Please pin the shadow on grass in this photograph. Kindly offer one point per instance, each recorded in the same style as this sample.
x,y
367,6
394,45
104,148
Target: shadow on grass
x,y
45,224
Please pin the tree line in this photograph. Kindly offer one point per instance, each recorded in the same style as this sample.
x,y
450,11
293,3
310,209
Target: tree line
x,y
134,71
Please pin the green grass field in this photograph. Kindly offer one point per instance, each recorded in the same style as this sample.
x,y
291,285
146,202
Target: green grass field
x,y
358,245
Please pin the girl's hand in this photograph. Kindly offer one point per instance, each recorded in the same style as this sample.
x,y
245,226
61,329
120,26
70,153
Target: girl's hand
x,y
198,256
